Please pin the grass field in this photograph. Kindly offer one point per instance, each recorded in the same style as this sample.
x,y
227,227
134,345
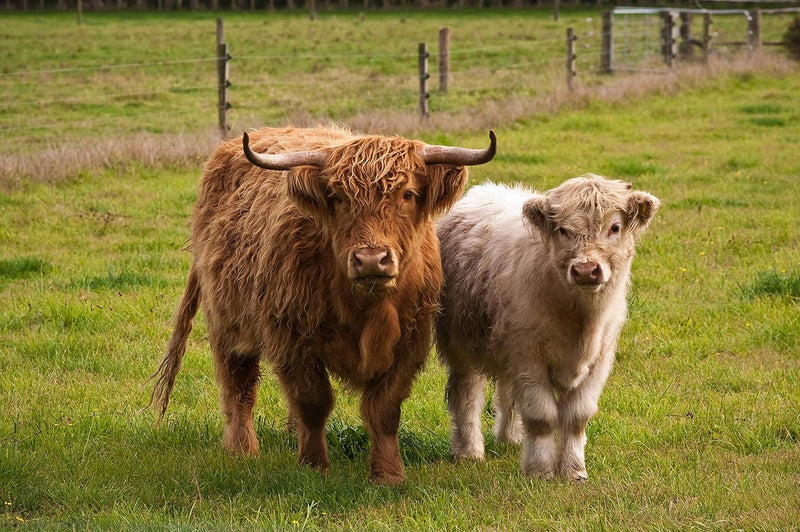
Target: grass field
x,y
699,425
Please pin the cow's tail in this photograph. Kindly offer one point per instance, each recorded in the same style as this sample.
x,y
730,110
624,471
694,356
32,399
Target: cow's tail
x,y
171,362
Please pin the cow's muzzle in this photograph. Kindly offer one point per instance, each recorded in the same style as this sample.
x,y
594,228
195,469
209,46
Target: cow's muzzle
x,y
372,269
589,276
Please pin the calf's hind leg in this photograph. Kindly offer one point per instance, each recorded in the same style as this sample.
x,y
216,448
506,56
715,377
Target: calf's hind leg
x,y
465,400
507,422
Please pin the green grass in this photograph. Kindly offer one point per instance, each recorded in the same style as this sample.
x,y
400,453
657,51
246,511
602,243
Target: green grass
x,y
698,426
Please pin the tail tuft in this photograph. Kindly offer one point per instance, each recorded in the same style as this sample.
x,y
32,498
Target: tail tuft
x,y
176,348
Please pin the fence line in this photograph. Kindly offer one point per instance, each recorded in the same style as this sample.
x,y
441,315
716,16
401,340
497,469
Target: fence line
x,y
166,62
92,122
541,53
121,95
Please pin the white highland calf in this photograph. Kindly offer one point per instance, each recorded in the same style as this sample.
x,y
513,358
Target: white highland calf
x,y
535,288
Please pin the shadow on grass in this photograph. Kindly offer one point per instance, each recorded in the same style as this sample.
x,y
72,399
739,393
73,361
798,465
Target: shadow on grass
x,y
62,466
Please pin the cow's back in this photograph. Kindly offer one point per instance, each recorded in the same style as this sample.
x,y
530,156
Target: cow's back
x,y
483,226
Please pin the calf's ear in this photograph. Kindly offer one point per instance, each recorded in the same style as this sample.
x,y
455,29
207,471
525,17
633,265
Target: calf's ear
x,y
308,190
641,208
536,212
445,186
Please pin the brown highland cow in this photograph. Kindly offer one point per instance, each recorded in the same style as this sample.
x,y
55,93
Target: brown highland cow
x,y
317,252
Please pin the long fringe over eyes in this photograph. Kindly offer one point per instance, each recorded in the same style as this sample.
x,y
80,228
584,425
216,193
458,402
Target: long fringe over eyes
x,y
373,160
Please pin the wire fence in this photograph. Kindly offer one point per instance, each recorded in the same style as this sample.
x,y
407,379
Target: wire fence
x,y
164,96
264,88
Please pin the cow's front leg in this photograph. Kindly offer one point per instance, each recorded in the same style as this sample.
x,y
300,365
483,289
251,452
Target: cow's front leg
x,y
380,411
537,407
308,391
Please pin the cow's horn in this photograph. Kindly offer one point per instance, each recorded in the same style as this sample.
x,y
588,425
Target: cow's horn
x,y
460,156
282,161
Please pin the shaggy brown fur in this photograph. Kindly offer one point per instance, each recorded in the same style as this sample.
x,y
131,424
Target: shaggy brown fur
x,y
273,266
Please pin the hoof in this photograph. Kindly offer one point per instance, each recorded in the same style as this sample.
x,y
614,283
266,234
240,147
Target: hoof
x,y
473,457
538,473
579,476
321,464
475,453
386,478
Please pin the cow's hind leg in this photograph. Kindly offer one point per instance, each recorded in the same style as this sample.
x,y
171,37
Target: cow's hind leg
x,y
238,376
308,391
507,421
465,399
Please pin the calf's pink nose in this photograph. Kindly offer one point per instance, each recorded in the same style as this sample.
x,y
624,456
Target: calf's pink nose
x,y
586,272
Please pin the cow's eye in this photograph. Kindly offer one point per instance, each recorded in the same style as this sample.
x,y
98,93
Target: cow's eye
x,y
615,229
563,232
408,195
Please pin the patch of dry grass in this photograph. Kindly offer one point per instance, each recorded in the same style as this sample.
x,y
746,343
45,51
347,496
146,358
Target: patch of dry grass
x,y
58,162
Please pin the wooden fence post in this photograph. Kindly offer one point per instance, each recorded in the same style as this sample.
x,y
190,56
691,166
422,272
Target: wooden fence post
x,y
444,58
607,49
685,47
570,57
707,21
423,80
754,29
669,41
223,58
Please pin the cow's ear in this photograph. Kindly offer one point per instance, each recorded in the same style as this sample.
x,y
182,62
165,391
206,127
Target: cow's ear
x,y
536,212
641,208
445,186
308,190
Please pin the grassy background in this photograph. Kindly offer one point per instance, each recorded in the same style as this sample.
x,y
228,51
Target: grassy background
x,y
143,86
699,425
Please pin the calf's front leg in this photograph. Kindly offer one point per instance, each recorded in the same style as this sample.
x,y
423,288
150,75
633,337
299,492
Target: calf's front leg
x,y
576,407
537,406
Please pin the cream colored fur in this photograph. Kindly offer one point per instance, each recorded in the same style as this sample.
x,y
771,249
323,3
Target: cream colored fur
x,y
516,308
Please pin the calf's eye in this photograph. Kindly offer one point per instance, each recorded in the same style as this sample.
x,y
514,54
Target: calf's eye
x,y
616,228
563,232
408,195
